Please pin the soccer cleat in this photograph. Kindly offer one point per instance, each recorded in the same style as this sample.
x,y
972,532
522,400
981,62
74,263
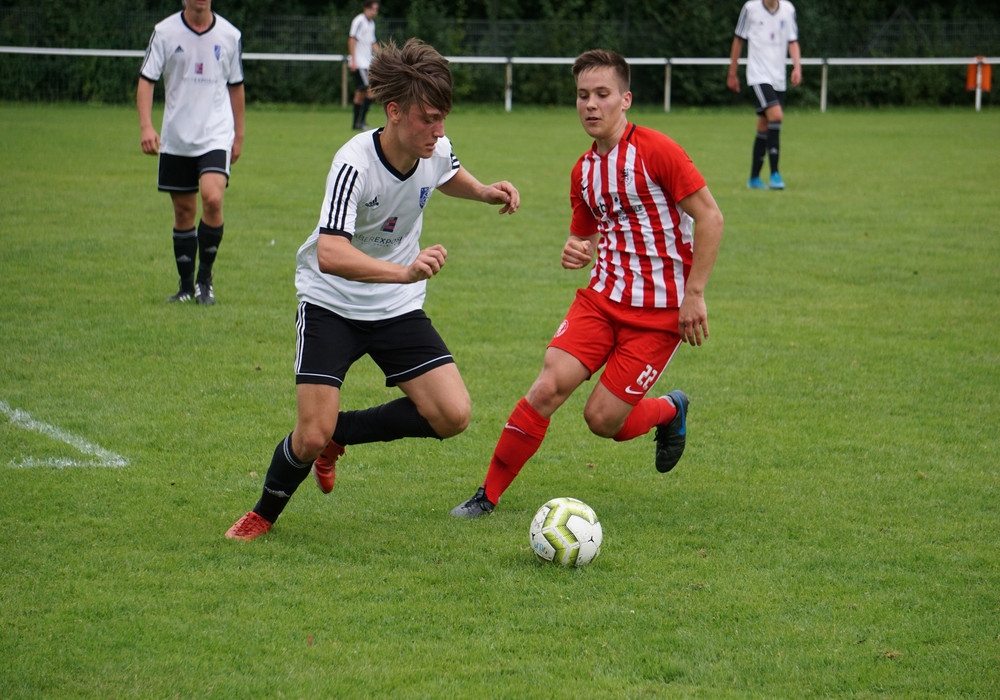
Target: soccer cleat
x,y
204,294
670,438
185,292
755,183
325,466
475,507
248,527
775,182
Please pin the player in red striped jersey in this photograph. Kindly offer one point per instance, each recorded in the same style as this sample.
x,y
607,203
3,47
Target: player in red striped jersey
x,y
640,205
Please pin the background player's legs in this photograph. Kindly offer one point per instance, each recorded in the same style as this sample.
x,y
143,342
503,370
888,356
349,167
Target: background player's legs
x,y
771,119
185,239
210,230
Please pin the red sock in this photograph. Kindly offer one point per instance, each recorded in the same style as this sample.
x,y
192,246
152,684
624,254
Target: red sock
x,y
646,414
519,440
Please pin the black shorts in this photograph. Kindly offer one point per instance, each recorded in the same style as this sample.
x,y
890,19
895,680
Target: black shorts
x,y
360,79
183,173
327,344
766,96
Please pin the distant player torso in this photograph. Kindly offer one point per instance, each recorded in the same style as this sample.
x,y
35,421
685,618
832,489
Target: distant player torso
x,y
197,70
767,35
363,33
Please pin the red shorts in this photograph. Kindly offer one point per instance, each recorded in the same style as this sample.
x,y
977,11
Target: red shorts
x,y
634,345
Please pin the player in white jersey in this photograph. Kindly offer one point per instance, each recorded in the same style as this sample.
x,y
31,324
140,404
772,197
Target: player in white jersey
x,y
639,204
771,33
361,278
360,48
199,56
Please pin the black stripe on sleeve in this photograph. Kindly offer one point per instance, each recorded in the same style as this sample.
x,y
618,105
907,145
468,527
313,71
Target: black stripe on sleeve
x,y
343,186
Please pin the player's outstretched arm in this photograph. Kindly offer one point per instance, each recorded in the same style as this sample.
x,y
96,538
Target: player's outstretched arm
x,y
708,221
465,186
149,140
796,54
733,78
338,257
237,100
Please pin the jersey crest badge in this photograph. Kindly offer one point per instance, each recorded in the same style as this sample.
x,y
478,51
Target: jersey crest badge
x,y
425,194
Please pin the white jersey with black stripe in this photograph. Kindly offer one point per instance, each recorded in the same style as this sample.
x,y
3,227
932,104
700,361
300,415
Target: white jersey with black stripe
x,y
767,35
197,71
363,33
381,211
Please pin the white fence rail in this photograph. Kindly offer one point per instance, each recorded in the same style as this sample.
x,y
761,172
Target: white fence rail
x,y
510,62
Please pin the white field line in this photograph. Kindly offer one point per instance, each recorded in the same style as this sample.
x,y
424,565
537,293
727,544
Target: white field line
x,y
105,458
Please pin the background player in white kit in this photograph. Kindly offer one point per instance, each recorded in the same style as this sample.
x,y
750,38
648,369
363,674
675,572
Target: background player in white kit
x,y
771,33
199,55
360,49
361,279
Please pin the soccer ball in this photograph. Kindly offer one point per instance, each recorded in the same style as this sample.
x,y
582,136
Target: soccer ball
x,y
566,531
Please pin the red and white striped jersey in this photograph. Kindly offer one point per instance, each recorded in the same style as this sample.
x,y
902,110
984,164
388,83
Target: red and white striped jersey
x,y
630,196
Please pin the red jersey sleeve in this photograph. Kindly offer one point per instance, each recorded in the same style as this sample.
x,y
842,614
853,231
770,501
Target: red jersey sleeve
x,y
583,223
668,163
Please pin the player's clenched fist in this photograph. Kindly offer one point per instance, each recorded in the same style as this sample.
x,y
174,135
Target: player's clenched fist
x,y
428,263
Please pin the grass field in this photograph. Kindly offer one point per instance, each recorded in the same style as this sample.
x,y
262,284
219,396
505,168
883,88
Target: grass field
x,y
832,531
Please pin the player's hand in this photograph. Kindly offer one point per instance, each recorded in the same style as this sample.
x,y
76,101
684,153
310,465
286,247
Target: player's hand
x,y
503,193
796,77
428,263
733,82
693,319
577,253
150,141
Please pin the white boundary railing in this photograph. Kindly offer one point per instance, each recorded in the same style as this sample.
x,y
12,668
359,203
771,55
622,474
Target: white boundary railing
x,y
510,62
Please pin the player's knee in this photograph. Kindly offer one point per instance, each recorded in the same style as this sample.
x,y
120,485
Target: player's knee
x,y
211,205
453,420
308,442
601,425
545,395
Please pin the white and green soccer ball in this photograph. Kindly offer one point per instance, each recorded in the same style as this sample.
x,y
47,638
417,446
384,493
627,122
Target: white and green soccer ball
x,y
566,531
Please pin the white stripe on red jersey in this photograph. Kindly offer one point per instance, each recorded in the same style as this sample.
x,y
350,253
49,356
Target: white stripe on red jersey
x,y
630,196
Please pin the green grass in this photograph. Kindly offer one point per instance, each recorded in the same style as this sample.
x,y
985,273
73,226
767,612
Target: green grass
x,y
832,530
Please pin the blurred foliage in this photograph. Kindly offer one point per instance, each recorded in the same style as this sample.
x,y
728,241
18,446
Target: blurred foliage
x,y
542,28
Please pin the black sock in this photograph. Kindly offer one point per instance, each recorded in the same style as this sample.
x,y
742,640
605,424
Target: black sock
x,y
185,250
283,477
759,151
364,111
209,238
390,421
773,144
357,116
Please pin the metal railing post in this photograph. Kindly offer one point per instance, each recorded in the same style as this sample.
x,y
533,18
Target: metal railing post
x,y
822,88
508,98
667,77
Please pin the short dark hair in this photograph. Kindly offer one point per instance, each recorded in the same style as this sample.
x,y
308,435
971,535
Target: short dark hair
x,y
603,58
414,74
